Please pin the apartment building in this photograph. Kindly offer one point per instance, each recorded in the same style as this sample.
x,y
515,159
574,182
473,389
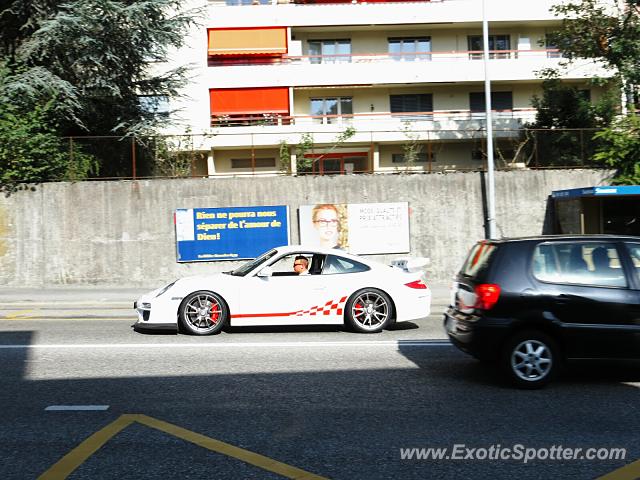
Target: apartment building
x,y
348,87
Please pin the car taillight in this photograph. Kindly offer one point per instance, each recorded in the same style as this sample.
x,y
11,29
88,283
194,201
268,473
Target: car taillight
x,y
488,294
419,284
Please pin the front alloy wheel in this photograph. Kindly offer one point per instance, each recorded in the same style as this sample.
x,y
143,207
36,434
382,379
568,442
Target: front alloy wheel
x,y
203,313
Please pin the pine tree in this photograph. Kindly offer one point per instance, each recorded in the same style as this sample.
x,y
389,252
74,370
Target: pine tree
x,y
91,61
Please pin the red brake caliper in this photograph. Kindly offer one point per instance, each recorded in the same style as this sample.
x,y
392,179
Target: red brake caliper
x,y
216,314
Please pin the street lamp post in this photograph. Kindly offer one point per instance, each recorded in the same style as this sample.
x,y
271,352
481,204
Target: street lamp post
x,y
491,207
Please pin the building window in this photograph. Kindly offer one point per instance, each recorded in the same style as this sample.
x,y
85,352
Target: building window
x,y
410,49
501,102
420,105
330,51
331,109
551,46
421,157
259,162
496,42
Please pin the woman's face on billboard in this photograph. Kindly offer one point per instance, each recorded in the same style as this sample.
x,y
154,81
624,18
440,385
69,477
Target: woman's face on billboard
x,y
326,223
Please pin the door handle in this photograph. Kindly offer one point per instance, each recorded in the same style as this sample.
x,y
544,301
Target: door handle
x,y
563,299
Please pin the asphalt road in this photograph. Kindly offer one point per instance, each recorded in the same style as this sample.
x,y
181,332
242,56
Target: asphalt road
x,y
284,403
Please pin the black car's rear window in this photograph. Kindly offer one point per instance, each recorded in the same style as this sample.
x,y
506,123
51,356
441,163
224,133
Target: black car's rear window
x,y
478,260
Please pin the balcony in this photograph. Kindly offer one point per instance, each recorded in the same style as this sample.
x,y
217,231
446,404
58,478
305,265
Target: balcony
x,y
373,68
288,13
269,129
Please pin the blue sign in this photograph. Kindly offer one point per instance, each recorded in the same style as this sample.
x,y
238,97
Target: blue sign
x,y
233,233
597,191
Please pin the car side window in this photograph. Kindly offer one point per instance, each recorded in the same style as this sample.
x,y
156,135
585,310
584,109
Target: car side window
x,y
634,253
283,267
334,264
584,263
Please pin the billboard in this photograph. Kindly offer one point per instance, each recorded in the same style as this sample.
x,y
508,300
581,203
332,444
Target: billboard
x,y
232,233
361,228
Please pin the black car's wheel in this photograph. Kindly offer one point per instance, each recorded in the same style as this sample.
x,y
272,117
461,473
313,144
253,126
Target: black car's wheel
x,y
369,310
531,359
203,313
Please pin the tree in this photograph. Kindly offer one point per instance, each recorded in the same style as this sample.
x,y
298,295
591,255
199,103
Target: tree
x,y
566,119
606,31
31,152
620,148
96,58
304,164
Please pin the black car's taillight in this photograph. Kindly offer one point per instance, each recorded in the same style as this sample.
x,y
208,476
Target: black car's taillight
x,y
487,295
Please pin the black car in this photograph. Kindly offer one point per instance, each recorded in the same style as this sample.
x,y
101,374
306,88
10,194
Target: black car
x,y
530,303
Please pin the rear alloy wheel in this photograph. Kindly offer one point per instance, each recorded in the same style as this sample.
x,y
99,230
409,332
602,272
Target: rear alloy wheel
x,y
203,313
531,359
369,310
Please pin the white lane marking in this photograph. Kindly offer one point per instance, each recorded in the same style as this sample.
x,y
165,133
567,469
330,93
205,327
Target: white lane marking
x,y
76,408
383,343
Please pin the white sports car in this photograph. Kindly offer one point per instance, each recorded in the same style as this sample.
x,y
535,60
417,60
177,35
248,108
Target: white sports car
x,y
339,288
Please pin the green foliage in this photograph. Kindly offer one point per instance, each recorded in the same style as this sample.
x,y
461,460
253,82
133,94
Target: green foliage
x,y
176,155
604,31
31,152
565,122
620,148
305,145
304,164
565,106
607,32
95,59
411,148
285,157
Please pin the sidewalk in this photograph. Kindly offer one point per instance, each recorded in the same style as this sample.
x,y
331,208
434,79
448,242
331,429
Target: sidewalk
x,y
70,295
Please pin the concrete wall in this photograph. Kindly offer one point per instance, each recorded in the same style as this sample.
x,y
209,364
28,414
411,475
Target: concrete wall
x,y
122,233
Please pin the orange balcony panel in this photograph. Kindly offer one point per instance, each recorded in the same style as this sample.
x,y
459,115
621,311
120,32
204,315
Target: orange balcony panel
x,y
247,41
238,101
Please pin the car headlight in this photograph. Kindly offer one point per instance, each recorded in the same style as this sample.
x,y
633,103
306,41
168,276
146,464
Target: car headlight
x,y
164,289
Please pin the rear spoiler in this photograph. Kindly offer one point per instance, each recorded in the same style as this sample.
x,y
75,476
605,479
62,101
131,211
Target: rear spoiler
x,y
411,264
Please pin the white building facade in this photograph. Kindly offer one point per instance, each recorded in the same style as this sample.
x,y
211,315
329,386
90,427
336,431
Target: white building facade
x,y
363,87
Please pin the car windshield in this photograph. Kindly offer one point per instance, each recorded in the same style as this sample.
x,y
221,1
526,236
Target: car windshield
x,y
247,267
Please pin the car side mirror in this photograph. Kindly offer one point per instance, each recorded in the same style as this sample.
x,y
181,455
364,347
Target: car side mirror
x,y
265,272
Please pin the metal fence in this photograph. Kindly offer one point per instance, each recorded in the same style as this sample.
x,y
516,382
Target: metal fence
x,y
182,156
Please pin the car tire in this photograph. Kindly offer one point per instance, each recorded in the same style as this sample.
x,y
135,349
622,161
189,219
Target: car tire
x,y
369,310
203,313
531,359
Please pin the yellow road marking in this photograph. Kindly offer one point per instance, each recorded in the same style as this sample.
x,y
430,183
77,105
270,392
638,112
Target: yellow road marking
x,y
72,460
17,315
628,472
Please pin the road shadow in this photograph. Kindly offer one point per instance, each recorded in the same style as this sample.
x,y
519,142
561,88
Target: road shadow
x,y
320,409
461,367
396,327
